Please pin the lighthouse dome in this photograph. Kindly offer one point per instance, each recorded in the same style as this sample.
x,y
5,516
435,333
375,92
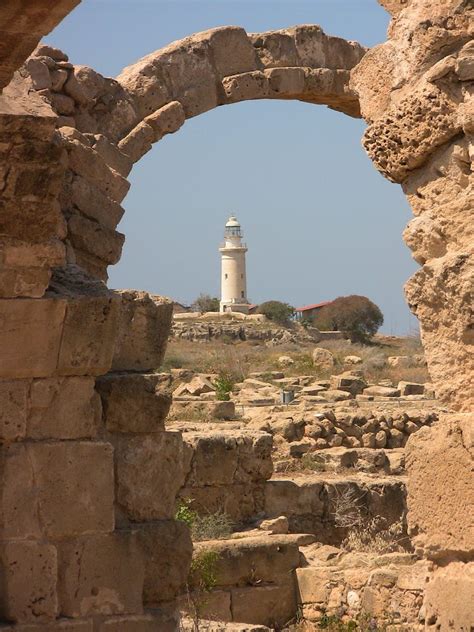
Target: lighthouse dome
x,y
232,221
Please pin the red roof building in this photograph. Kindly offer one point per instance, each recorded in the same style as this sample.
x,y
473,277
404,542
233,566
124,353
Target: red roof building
x,y
308,311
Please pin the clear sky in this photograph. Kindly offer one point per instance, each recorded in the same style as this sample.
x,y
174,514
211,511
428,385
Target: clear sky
x,y
319,220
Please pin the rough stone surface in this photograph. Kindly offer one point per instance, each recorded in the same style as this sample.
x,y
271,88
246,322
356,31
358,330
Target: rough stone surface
x,y
29,577
101,575
441,485
143,331
81,475
167,550
134,403
149,473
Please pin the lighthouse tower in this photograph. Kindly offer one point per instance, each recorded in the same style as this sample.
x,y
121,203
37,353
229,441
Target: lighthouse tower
x,y
233,274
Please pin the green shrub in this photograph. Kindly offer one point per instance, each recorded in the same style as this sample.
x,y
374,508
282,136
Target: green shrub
x,y
224,385
212,526
356,316
202,572
184,513
277,311
206,303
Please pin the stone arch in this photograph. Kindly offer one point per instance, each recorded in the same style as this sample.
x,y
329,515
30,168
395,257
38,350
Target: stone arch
x,y
64,180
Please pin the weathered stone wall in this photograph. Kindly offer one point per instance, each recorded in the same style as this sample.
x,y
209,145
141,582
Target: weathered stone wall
x,y
416,92
89,476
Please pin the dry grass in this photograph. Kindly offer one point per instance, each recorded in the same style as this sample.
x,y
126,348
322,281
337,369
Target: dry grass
x,y
239,359
365,534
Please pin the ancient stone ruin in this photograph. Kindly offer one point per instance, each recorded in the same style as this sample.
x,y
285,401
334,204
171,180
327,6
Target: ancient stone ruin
x,y
90,474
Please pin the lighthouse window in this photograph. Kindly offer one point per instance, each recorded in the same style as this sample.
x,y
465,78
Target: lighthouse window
x,y
226,275
242,294
241,276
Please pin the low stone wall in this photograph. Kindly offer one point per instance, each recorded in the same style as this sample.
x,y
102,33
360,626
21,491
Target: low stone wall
x,y
226,471
255,580
369,429
388,588
310,501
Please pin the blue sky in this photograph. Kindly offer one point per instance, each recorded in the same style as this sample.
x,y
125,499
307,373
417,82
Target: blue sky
x,y
319,220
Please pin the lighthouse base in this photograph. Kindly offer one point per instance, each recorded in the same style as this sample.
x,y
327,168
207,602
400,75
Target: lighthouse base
x,y
228,308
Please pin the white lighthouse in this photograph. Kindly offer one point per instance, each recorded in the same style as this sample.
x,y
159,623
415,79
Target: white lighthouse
x,y
233,273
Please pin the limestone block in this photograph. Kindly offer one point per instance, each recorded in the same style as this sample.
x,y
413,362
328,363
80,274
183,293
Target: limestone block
x,y
95,239
285,497
411,388
83,84
246,86
229,457
138,142
147,83
62,104
24,282
50,51
267,605
286,81
31,220
112,155
346,382
231,50
216,607
63,408
382,391
310,40
440,487
143,329
134,402
183,71
168,550
39,74
13,399
156,621
86,162
149,473
262,558
314,584
275,48
93,203
90,322
29,577
18,497
39,255
74,486
323,359
30,336
167,119
449,597
101,575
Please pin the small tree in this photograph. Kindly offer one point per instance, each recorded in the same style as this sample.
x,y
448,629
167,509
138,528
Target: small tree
x,y
354,315
206,303
277,311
